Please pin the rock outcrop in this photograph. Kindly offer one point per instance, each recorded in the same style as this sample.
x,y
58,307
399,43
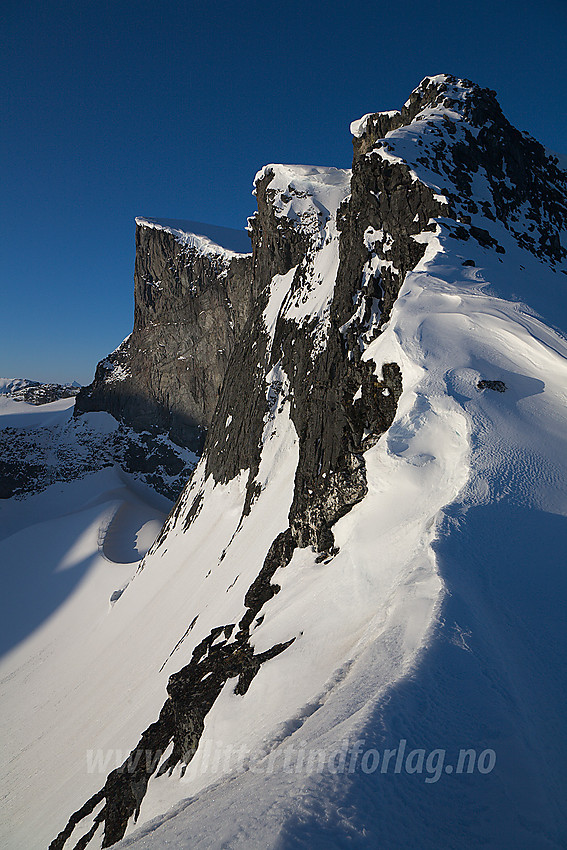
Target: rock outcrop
x,y
192,299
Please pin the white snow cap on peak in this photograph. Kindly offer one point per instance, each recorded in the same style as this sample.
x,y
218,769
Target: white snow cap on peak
x,y
210,239
436,79
326,174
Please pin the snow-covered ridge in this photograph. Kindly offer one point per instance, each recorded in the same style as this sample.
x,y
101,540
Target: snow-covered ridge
x,y
36,392
208,239
453,138
8,385
12,385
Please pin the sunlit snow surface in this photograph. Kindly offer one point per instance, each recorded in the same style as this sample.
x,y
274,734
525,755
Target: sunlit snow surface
x,y
440,622
207,238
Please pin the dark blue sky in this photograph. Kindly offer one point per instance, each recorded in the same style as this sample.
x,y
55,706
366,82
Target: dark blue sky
x,y
118,108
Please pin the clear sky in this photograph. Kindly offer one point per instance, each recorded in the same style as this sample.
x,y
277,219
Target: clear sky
x,y
118,108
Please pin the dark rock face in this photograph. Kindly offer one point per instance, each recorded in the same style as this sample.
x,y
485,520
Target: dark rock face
x,y
279,244
386,198
190,306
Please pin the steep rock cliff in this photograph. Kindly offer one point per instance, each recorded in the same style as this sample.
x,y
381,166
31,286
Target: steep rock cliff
x,y
192,299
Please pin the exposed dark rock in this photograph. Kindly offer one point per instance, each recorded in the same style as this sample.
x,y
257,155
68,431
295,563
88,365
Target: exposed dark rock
x,y
387,198
76,818
279,244
498,386
17,476
190,307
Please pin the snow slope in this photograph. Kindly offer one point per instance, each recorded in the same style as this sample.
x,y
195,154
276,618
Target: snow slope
x,y
447,633
437,627
20,414
63,553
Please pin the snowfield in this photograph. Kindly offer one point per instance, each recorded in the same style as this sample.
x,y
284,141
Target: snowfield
x,y
437,628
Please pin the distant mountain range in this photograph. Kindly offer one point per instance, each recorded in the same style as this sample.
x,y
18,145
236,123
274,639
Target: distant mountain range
x,y
35,392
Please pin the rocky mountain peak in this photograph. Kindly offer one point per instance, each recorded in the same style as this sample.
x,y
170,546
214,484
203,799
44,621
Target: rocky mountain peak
x,y
453,137
442,93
